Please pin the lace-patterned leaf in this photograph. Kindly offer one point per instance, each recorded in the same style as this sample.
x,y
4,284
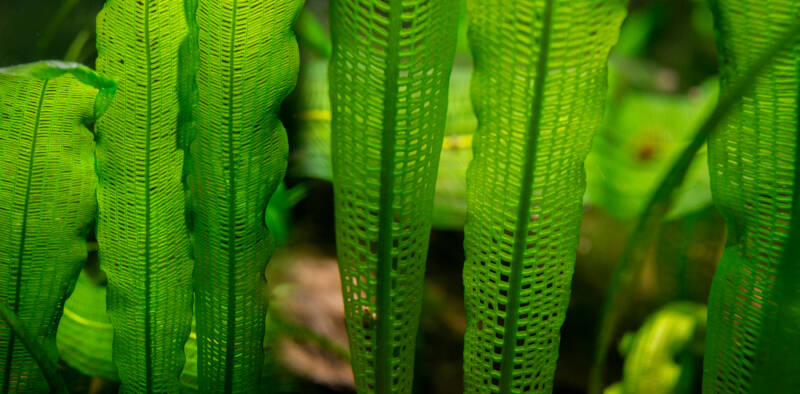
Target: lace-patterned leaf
x,y
47,204
752,160
141,230
389,74
538,90
248,62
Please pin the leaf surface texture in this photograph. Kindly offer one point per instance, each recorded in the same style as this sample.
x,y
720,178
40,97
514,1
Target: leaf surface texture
x,y
752,164
141,230
389,74
538,90
248,62
47,202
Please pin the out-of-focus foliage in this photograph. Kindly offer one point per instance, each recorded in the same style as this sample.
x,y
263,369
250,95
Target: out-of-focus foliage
x,y
644,134
658,205
660,357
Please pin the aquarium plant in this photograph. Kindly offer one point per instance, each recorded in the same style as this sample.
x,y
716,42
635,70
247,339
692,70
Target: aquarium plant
x,y
172,154
247,61
753,161
538,90
48,205
389,101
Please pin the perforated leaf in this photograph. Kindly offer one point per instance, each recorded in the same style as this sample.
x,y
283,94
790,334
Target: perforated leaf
x,y
248,63
538,90
141,231
752,164
313,155
389,73
47,202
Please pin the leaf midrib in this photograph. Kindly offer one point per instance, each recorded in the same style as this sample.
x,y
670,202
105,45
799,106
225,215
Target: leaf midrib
x,y
523,207
231,329
383,353
23,229
147,334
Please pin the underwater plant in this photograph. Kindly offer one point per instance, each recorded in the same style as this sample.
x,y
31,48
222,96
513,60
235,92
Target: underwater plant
x,y
143,240
538,91
247,61
753,162
389,101
47,205
174,152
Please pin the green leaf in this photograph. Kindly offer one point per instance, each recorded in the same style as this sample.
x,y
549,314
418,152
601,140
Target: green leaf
x,y
141,230
46,365
753,318
47,204
313,156
389,73
644,134
312,34
659,204
248,63
539,91
85,334
654,353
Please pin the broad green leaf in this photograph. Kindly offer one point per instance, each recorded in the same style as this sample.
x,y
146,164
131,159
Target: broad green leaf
x,y
539,90
141,229
247,64
659,358
753,321
659,204
389,74
780,334
85,337
47,203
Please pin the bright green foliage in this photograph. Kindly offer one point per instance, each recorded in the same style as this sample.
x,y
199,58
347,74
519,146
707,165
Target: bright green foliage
x,y
660,357
248,63
314,129
538,91
143,240
85,333
312,34
47,202
450,202
389,73
647,225
752,164
643,135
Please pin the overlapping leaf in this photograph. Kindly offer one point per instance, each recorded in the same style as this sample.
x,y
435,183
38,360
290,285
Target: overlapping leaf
x,y
47,203
753,164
